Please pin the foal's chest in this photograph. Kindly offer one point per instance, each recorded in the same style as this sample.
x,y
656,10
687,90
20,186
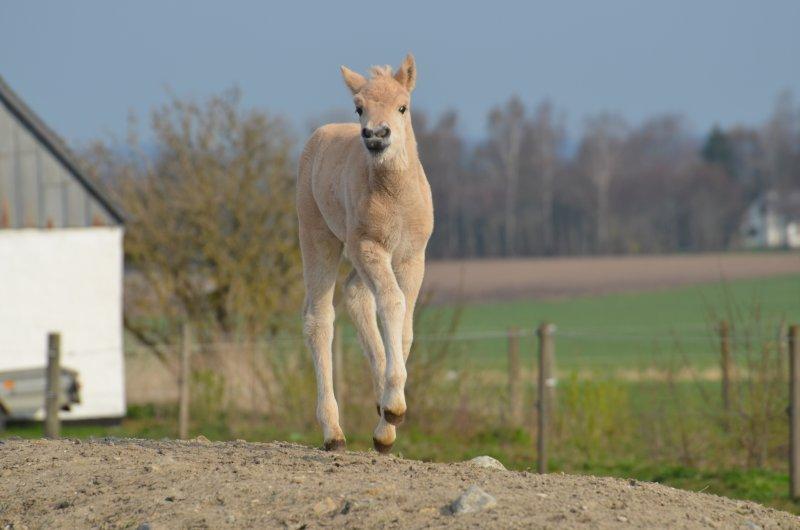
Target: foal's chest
x,y
402,224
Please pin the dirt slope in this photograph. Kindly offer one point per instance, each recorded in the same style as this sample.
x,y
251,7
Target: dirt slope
x,y
198,484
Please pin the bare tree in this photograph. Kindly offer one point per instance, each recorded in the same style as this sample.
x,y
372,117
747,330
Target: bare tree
x,y
506,135
781,138
545,133
441,151
211,228
600,156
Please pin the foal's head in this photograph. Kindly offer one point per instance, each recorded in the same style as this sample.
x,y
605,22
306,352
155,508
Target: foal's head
x,y
383,104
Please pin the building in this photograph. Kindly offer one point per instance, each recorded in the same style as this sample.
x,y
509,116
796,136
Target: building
x,y
61,262
773,221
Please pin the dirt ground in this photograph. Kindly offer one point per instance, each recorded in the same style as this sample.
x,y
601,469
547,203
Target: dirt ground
x,y
145,484
547,278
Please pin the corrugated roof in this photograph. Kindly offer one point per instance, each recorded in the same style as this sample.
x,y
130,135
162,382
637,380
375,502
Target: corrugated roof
x,y
55,145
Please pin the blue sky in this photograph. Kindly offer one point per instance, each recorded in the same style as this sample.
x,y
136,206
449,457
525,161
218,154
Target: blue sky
x,y
84,65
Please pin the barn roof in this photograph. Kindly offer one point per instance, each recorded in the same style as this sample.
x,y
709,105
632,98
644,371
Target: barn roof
x,y
55,145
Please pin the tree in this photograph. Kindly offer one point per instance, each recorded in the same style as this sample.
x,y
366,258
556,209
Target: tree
x,y
782,143
600,157
506,135
545,134
441,152
718,150
211,231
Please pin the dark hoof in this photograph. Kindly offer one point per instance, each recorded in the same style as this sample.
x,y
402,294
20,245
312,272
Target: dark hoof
x,y
394,419
335,445
377,406
382,448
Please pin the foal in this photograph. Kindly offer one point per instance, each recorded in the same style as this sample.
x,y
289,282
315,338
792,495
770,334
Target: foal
x,y
362,192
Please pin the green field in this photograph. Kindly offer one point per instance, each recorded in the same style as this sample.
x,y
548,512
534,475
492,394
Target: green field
x,y
632,328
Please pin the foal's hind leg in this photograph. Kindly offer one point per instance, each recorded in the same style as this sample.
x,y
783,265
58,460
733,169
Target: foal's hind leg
x,y
361,306
321,255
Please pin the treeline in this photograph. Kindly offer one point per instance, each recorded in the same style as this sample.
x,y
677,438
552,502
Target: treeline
x,y
528,189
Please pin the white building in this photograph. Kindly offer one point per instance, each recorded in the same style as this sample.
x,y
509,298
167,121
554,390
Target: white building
x,y
773,221
60,262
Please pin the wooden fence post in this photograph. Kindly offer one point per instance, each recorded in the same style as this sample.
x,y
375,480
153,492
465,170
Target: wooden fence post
x,y
514,388
794,411
339,389
52,425
184,381
546,382
725,365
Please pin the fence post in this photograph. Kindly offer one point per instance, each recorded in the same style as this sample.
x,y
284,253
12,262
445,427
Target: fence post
x,y
546,382
794,411
725,365
338,365
514,388
184,381
52,425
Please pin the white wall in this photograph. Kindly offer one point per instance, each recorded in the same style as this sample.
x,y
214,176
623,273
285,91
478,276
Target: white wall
x,y
66,280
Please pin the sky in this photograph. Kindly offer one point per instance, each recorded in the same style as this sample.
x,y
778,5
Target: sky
x,y
83,66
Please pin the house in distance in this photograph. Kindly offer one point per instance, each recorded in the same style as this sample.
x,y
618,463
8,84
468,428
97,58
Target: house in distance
x,y
61,263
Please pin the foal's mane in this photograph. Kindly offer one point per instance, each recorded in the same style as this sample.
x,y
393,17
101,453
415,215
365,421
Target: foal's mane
x,y
381,71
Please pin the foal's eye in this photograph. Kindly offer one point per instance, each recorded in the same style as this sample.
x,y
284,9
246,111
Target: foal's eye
x,y
402,109
359,111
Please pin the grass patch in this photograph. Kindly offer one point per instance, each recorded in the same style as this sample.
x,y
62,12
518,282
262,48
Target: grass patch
x,y
628,329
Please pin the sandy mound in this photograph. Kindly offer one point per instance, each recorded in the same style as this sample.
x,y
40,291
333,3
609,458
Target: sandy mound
x,y
113,483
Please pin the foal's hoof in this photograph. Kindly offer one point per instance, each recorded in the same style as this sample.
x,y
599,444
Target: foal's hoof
x,y
335,445
391,417
381,447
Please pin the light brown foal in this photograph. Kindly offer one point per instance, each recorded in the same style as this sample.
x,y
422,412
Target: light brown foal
x,y
362,192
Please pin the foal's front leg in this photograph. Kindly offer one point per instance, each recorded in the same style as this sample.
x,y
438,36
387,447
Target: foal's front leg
x,y
374,264
409,276
363,312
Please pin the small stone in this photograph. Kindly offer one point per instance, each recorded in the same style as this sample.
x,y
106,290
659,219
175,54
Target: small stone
x,y
487,461
144,526
622,519
325,506
542,495
474,499
751,525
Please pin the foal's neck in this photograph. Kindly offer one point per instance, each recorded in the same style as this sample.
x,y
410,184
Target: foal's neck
x,y
395,178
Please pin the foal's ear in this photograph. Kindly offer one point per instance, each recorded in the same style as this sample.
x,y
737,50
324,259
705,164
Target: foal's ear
x,y
354,81
406,75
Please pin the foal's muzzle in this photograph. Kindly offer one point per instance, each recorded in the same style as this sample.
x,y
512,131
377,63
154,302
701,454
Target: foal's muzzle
x,y
376,140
